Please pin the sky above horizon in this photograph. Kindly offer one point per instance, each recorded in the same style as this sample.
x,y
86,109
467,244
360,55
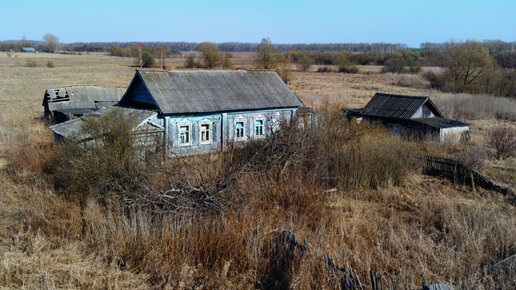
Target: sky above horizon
x,y
283,21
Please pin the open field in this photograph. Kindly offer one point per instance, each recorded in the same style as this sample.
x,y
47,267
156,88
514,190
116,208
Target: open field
x,y
424,230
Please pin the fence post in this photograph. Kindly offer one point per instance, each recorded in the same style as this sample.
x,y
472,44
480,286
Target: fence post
x,y
455,172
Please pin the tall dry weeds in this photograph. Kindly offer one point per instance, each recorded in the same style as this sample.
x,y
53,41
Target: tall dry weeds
x,y
382,215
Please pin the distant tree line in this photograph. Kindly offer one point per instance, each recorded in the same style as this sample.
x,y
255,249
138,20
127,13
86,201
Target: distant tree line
x,y
503,52
225,46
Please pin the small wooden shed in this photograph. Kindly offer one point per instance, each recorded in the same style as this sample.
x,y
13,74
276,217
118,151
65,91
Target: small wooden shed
x,y
416,117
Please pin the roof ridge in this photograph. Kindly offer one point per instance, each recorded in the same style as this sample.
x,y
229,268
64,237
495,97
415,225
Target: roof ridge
x,y
402,96
203,70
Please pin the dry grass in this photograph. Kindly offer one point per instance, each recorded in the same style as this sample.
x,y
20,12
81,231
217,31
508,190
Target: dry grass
x,y
423,229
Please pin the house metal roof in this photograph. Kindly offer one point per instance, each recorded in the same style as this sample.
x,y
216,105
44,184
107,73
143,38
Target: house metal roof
x,y
396,106
440,122
81,98
73,129
203,91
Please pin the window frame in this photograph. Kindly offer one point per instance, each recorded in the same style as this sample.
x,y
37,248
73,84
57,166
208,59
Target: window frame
x,y
243,121
210,139
184,124
264,130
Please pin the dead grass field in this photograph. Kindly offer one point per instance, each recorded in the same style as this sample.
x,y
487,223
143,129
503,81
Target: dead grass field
x,y
40,244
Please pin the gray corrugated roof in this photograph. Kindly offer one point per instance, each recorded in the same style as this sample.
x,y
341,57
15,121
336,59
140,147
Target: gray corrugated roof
x,y
81,97
204,91
72,128
440,122
395,106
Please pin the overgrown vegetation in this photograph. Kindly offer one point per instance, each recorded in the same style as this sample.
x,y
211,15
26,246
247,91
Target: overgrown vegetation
x,y
469,67
351,189
475,107
503,140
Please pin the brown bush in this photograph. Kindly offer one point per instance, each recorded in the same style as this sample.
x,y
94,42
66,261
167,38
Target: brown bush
x,y
472,157
325,69
503,140
31,63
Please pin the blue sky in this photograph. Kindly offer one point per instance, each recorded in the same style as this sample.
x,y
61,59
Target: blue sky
x,y
287,21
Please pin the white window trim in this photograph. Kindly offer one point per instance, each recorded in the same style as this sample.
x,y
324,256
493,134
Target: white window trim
x,y
179,125
239,120
264,127
209,123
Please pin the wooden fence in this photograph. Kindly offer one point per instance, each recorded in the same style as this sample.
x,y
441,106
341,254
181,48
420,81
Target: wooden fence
x,y
459,173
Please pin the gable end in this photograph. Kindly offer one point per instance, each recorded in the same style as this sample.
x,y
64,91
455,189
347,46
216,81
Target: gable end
x,y
138,95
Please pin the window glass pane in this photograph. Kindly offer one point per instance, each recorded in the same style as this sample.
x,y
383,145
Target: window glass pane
x,y
205,132
239,129
258,130
184,134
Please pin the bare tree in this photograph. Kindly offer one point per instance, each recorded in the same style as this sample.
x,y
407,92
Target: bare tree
x,y
51,41
210,54
466,62
266,55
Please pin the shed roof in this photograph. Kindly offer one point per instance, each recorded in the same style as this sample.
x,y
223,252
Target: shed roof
x,y
203,91
440,122
396,106
81,98
72,128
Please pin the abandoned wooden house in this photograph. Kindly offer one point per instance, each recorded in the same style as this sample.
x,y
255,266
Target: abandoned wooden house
x,y
200,111
62,104
411,116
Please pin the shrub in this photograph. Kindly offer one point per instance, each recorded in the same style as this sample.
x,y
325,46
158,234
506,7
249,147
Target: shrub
x,y
503,140
50,63
472,157
306,62
103,166
325,69
190,62
117,50
31,63
285,71
398,61
227,61
148,59
344,64
394,63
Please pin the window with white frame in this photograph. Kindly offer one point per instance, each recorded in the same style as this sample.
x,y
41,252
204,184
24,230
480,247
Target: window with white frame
x,y
205,133
259,129
184,134
239,130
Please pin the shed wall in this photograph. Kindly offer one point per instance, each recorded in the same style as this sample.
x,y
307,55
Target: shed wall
x,y
453,134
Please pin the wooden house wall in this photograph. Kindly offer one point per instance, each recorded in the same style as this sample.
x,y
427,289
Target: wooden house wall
x,y
223,128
